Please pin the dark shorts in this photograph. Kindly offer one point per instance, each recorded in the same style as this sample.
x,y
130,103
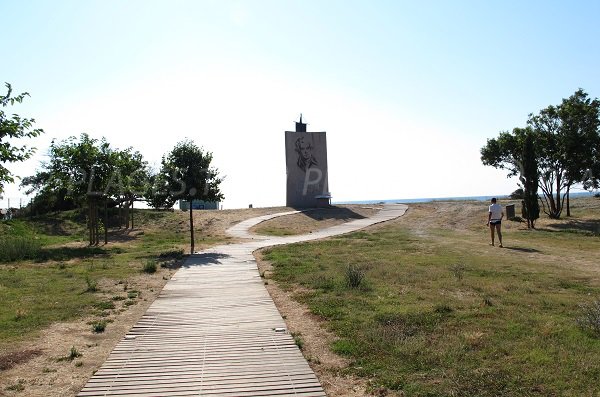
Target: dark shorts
x,y
495,222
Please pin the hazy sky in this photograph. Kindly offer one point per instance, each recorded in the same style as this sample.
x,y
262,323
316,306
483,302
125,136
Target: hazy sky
x,y
408,91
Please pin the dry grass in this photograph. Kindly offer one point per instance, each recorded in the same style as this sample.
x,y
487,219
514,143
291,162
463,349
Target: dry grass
x,y
313,220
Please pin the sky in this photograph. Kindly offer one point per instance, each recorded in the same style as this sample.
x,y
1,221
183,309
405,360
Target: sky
x,y
407,91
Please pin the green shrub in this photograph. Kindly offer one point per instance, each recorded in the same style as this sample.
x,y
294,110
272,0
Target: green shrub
x,y
354,276
99,326
92,285
589,319
18,248
149,266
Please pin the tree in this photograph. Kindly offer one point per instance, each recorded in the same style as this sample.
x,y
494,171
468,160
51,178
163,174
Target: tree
x,y
157,195
567,146
529,179
13,127
518,194
189,176
80,171
128,182
567,140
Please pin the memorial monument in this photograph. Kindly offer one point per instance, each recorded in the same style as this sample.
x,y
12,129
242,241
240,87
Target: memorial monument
x,y
306,168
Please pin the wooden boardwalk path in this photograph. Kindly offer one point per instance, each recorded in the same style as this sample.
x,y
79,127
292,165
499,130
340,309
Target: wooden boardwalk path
x,y
214,330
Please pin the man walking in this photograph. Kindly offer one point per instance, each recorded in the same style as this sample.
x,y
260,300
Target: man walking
x,y
495,216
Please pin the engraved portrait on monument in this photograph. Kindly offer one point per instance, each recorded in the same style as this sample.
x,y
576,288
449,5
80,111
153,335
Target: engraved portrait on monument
x,y
306,159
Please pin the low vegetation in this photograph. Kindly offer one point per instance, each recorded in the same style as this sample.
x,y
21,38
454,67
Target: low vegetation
x,y
443,313
54,276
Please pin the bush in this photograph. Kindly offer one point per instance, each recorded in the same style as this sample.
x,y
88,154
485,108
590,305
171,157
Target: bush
x,y
92,285
354,276
149,266
18,248
99,326
589,320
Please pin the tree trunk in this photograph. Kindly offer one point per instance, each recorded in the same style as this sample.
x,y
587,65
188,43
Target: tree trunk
x,y
132,214
90,222
558,204
127,214
96,217
105,221
120,215
568,202
191,231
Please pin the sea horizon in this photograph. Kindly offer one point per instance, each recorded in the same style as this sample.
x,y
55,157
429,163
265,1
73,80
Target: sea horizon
x,y
451,198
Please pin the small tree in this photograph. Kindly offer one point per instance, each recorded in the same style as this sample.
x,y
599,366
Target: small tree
x,y
189,177
13,127
529,178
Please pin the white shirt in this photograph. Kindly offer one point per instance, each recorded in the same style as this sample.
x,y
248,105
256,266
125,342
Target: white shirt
x,y
496,211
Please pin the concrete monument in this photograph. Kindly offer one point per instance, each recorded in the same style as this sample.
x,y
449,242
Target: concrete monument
x,y
306,162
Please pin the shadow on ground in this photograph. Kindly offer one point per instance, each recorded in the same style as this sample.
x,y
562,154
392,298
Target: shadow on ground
x,y
333,212
521,249
67,253
205,259
589,227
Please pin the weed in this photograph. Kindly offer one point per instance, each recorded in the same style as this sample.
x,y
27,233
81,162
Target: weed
x,y
105,305
314,360
171,254
20,314
19,248
589,319
118,298
298,340
354,276
99,326
488,302
47,370
79,363
149,266
62,266
442,309
92,285
133,294
458,270
19,386
74,353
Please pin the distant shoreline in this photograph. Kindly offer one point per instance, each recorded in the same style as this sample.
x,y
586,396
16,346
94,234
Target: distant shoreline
x,y
431,199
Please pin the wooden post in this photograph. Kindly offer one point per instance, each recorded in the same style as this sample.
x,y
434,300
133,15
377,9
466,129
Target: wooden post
x,y
105,221
90,221
191,230
120,214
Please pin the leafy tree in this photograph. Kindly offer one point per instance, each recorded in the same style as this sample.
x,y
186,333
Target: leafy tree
x,y
79,170
13,127
157,195
189,176
567,140
567,146
529,179
129,180
517,194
